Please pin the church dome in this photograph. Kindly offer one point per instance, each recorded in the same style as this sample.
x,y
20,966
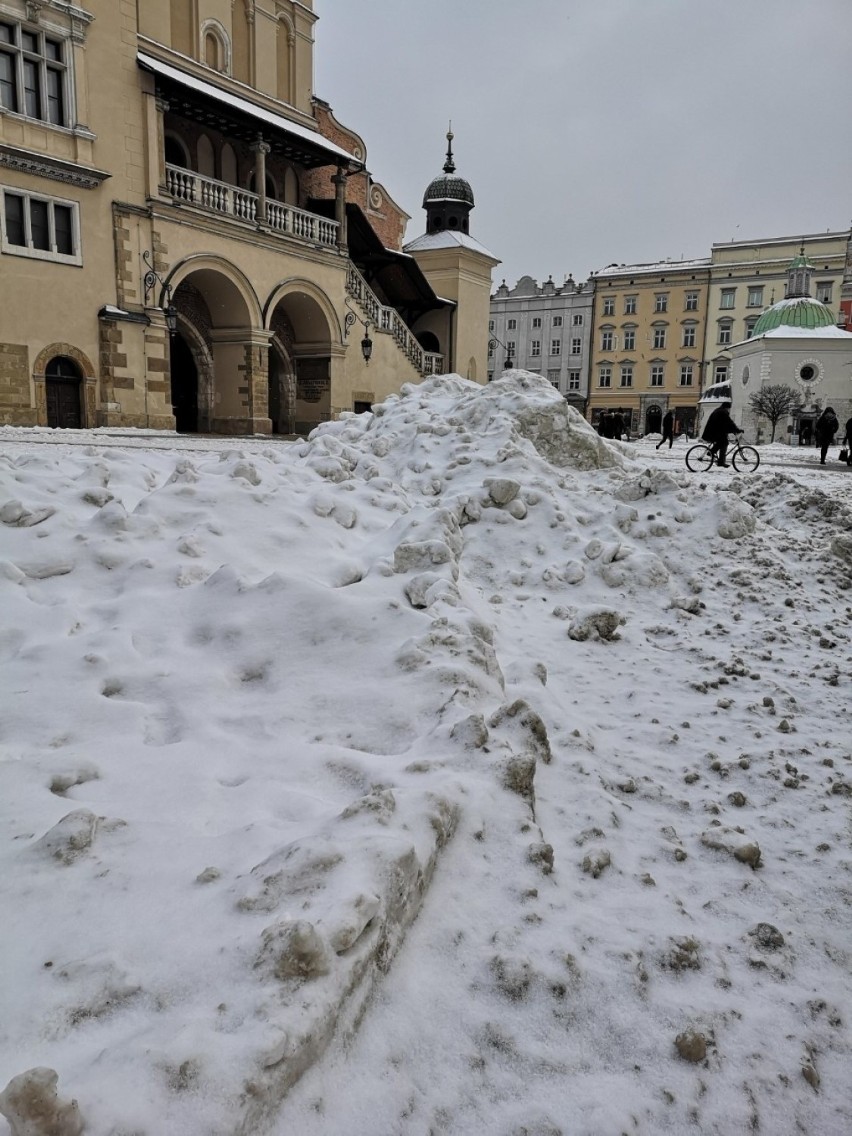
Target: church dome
x,y
798,311
448,187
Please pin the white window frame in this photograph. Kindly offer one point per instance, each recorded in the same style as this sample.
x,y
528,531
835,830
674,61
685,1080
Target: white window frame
x,y
512,325
689,335
573,380
661,301
660,337
609,306
536,321
686,375
755,296
605,373
720,373
577,320
577,345
630,305
217,30
726,332
557,321
64,65
607,340
626,376
556,347
658,372
823,291
629,336
535,348
728,299
9,249
690,302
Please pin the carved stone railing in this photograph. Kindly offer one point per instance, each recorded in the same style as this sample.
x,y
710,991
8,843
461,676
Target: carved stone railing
x,y
389,320
231,201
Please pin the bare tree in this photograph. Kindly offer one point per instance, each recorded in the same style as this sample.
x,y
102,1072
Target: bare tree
x,y
775,403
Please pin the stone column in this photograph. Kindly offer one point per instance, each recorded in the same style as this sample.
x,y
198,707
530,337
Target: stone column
x,y
261,149
339,182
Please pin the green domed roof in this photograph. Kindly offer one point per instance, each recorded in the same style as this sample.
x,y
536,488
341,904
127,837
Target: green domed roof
x,y
448,188
800,311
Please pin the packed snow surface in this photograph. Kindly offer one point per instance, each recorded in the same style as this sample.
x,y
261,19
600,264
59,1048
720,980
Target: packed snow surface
x,y
455,771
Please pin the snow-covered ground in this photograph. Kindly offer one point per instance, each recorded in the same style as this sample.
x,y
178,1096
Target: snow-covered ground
x,y
454,772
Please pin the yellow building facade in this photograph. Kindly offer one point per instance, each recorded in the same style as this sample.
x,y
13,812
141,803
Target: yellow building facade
x,y
647,340
190,239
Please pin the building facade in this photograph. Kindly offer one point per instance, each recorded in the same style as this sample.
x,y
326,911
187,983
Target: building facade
x,y
544,328
747,277
647,336
189,238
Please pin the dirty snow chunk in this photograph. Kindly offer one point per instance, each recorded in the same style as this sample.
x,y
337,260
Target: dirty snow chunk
x,y
599,624
32,1107
293,949
563,437
422,554
70,837
352,921
573,572
737,518
649,482
691,1045
14,513
502,490
530,732
596,861
841,546
418,587
471,732
541,854
724,839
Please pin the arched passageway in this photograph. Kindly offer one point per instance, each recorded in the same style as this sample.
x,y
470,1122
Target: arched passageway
x,y
300,319
653,420
184,374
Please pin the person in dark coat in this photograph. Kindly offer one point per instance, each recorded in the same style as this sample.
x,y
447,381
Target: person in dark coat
x,y
668,430
825,429
616,426
719,426
847,440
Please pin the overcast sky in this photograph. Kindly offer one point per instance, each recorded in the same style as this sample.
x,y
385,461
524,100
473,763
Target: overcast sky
x,y
600,131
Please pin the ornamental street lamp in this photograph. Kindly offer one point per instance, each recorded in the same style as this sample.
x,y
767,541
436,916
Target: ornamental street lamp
x,y
366,342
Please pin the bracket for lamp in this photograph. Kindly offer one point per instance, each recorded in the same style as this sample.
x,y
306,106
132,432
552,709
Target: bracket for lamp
x,y
349,320
494,342
150,281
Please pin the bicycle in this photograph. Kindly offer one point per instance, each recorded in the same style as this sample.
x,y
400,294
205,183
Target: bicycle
x,y
744,459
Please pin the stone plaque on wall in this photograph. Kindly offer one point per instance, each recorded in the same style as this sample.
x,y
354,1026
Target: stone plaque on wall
x,y
312,379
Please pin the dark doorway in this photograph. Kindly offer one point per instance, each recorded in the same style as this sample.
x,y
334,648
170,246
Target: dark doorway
x,y
429,342
280,384
653,420
63,383
184,386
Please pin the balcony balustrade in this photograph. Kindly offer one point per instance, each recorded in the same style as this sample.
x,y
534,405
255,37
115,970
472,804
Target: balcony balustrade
x,y
230,201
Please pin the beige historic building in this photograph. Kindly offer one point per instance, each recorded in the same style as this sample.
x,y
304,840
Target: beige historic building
x,y
189,237
647,338
747,277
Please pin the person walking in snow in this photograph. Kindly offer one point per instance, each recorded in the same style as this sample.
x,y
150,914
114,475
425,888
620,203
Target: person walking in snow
x,y
719,426
847,440
825,429
668,430
616,426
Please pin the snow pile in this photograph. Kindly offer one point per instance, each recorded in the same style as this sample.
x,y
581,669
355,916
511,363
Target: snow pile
x,y
459,657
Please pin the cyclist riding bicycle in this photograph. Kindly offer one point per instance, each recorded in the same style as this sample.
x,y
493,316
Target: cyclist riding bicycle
x,y
719,426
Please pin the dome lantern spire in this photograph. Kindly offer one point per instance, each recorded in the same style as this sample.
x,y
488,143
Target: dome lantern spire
x,y
448,199
450,165
799,275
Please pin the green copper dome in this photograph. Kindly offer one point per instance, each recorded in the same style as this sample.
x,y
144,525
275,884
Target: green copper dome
x,y
800,311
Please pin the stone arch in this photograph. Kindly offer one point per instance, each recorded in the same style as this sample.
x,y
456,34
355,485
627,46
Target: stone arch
x,y
223,283
305,302
88,385
53,349
215,46
198,345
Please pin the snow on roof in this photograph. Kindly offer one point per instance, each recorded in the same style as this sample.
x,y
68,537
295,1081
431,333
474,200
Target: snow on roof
x,y
447,238
243,105
786,331
656,266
